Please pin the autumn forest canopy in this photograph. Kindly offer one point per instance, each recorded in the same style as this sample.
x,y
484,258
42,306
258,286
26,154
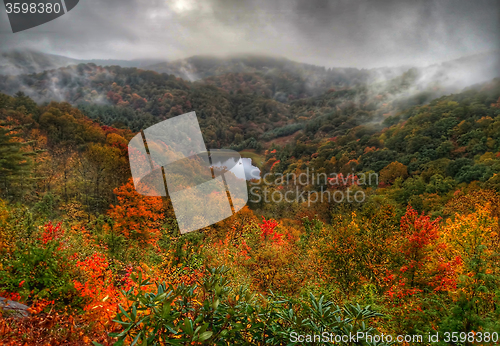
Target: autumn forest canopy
x,y
95,262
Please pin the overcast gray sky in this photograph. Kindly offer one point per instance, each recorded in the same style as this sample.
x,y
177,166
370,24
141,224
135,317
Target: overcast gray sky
x,y
331,33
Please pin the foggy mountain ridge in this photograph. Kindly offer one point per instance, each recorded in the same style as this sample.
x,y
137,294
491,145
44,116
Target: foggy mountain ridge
x,y
449,76
275,77
25,61
199,67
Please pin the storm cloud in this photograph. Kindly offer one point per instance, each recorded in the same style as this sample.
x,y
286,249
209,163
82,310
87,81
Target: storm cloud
x,y
332,33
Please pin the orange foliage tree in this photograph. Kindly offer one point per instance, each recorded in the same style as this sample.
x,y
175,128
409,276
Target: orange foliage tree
x,y
136,216
421,262
98,288
419,238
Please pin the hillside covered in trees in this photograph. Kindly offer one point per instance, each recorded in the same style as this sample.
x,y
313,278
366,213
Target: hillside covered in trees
x,y
244,102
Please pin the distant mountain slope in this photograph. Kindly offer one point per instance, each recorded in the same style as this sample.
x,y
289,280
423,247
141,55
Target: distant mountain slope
x,y
460,73
28,61
241,108
452,139
274,76
279,78
138,98
286,80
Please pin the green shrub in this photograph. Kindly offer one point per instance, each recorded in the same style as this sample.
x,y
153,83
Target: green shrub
x,y
40,268
215,314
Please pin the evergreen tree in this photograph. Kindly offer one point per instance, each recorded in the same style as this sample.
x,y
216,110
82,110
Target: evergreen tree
x,y
14,163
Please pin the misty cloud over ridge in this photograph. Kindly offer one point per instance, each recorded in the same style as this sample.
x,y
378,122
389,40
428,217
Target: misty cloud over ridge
x,y
328,33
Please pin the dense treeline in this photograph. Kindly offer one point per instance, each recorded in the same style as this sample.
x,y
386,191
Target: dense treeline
x,y
278,78
141,96
74,162
233,109
426,151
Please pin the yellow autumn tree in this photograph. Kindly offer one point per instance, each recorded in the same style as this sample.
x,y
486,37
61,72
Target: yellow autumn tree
x,y
393,171
474,238
473,234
